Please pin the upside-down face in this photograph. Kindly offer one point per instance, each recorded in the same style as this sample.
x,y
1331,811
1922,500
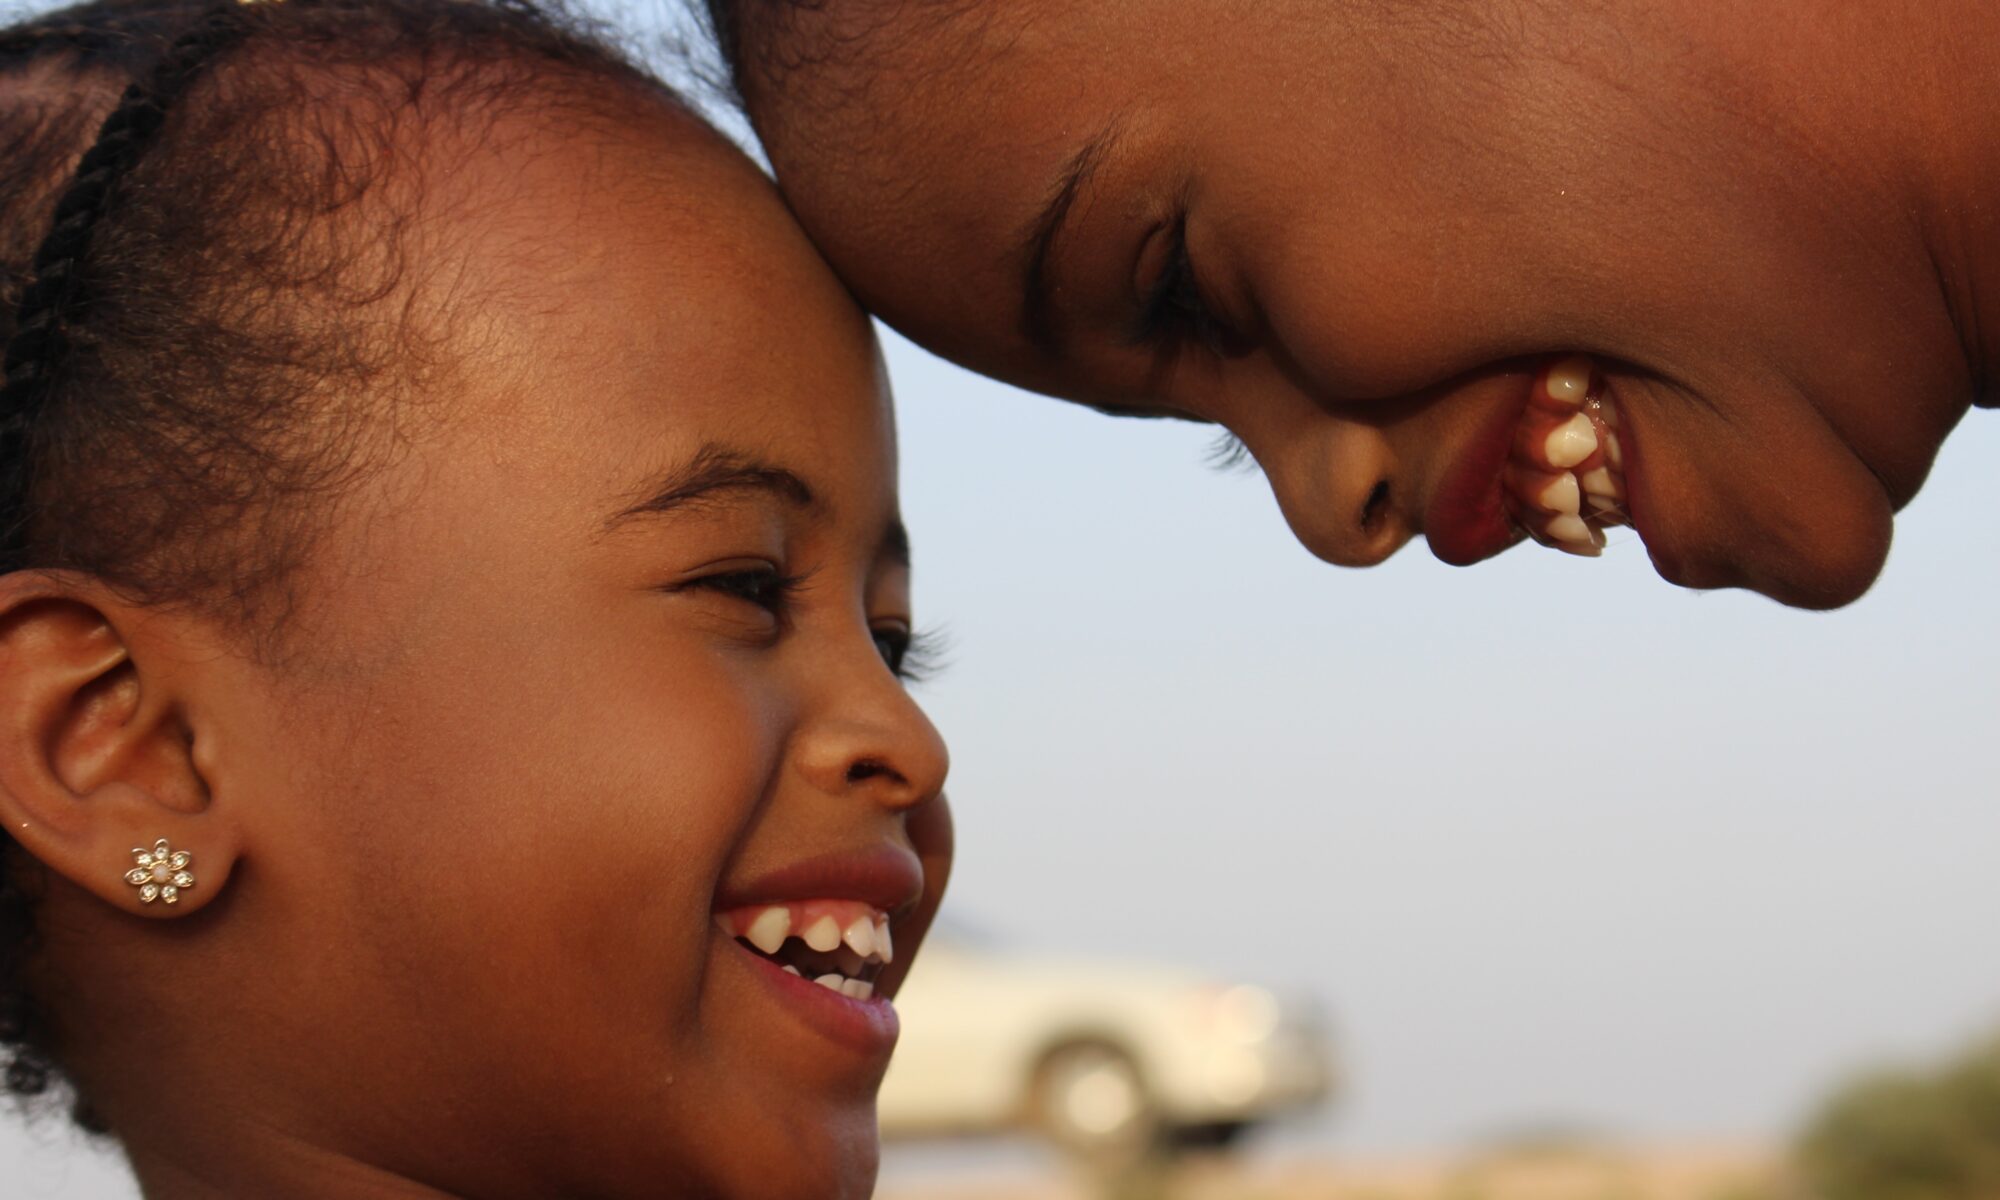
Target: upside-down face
x,y
1394,247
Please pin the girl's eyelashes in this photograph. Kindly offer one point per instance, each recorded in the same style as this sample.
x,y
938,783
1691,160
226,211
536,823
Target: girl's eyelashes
x,y
912,655
764,586
1174,313
1228,453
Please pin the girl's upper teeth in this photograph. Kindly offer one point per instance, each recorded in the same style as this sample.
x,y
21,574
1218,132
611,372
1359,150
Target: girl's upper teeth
x,y
1571,442
769,929
1561,496
1598,482
1569,380
823,934
1566,453
823,925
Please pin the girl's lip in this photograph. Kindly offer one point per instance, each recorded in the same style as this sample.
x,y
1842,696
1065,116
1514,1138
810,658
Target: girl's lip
x,y
1466,521
890,877
867,1027
1639,510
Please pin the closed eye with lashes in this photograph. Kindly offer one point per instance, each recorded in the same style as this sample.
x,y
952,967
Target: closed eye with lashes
x,y
766,587
1175,313
911,654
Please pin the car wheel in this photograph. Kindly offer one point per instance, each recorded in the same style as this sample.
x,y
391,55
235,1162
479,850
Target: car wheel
x,y
1217,1135
1091,1099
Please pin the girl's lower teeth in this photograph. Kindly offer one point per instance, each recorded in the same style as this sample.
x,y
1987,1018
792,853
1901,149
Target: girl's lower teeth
x,y
853,989
1564,482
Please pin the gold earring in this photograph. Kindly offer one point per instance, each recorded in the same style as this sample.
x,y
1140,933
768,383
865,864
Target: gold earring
x,y
162,873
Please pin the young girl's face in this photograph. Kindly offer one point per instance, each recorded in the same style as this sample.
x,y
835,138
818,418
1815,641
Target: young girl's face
x,y
596,667
1355,234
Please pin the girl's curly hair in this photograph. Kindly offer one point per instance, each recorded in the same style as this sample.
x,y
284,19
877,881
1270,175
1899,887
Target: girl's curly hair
x,y
204,211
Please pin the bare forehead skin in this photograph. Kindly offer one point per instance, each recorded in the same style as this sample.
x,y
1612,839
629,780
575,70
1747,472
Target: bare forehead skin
x,y
856,100
651,221
908,136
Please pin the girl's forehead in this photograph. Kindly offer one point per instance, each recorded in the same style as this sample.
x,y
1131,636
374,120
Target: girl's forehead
x,y
650,280
661,238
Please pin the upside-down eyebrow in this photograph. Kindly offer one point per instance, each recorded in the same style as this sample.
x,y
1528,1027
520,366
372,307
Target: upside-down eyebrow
x,y
712,472
896,544
1038,248
1138,413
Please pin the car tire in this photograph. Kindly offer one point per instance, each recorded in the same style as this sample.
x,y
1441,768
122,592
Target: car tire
x,y
1215,1135
1091,1099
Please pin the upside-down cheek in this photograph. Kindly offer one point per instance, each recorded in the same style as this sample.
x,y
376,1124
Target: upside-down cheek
x,y
1773,502
1829,541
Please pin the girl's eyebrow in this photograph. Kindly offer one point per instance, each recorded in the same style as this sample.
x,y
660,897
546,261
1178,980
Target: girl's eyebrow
x,y
712,471
896,544
1038,320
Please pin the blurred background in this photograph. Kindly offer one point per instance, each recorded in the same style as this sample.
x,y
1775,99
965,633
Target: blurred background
x,y
1591,886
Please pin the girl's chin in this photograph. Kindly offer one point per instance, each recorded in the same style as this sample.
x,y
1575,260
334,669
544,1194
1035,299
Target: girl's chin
x,y
1836,566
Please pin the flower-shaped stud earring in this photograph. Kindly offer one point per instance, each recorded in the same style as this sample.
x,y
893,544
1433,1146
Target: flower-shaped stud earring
x,y
162,873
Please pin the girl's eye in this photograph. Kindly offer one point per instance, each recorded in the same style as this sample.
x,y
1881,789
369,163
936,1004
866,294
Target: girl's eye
x,y
911,655
1174,314
764,586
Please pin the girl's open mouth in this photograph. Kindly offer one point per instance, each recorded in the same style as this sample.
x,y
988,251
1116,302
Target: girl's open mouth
x,y
823,956
1564,481
1551,467
841,945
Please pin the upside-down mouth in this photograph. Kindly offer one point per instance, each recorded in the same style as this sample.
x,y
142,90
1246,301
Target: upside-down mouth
x,y
1564,480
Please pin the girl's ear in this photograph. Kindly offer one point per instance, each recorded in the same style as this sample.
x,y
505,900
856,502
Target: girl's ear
x,y
97,759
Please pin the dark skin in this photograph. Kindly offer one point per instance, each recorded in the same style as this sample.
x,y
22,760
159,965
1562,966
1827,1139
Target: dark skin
x,y
1774,230
460,840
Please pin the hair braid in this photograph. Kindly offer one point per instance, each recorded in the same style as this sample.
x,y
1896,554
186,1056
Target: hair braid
x,y
56,291
34,355
35,39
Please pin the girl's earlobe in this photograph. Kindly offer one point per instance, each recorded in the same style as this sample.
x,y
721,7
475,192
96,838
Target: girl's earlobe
x,y
162,873
98,774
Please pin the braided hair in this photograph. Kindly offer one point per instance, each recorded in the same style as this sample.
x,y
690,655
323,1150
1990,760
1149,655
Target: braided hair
x,y
193,286
33,356
35,351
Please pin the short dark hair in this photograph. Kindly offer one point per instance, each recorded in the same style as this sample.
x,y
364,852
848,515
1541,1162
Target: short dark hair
x,y
182,281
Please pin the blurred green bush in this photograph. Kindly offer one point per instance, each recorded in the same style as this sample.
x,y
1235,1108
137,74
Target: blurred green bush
x,y
1922,1135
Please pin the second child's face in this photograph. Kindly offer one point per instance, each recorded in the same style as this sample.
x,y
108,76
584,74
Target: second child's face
x,y
1353,234
596,667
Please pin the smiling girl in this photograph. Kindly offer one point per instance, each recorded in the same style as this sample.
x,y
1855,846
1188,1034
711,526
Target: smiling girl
x,y
451,735
1429,261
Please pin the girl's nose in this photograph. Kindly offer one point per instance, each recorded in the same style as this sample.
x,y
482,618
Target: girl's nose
x,y
873,742
1338,490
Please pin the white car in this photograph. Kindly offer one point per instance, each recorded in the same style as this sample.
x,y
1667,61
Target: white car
x,y
1103,1059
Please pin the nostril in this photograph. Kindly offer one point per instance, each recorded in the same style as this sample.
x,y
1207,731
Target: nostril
x,y
868,768
1372,509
